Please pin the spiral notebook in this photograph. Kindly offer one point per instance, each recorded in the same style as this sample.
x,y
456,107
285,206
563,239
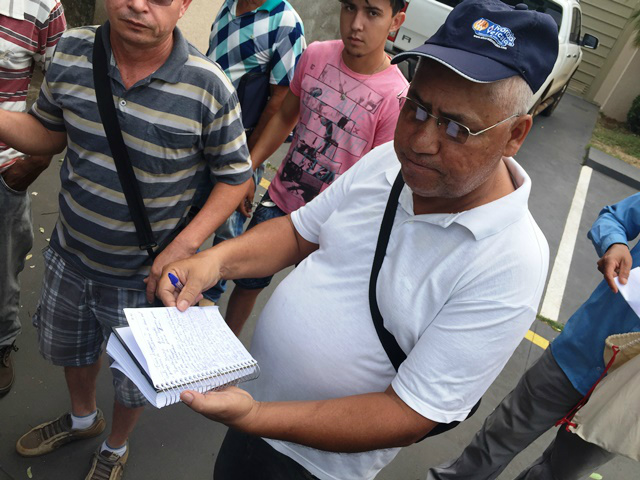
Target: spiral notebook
x,y
165,351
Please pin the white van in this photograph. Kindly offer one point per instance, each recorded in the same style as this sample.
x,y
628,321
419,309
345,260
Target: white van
x,y
424,17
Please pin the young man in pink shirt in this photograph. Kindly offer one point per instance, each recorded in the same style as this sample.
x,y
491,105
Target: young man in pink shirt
x,y
342,103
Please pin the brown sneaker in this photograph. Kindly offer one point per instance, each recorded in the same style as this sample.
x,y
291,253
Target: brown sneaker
x,y
49,436
107,465
7,374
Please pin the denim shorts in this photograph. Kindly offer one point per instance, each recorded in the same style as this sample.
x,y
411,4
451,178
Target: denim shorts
x,y
74,318
266,211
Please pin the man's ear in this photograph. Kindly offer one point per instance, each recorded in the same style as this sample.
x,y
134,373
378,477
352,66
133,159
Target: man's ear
x,y
397,21
183,7
519,131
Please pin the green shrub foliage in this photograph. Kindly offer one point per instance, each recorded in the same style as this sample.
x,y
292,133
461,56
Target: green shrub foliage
x,y
633,117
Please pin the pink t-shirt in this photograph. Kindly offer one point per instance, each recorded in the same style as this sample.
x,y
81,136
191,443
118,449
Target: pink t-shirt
x,y
343,115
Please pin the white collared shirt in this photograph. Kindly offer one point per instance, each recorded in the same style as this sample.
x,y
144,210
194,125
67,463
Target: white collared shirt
x,y
458,292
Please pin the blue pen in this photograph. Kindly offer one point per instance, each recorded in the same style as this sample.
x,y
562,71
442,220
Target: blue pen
x,y
175,281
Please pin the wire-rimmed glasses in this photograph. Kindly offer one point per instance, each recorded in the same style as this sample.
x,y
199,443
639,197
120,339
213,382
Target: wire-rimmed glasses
x,y
455,131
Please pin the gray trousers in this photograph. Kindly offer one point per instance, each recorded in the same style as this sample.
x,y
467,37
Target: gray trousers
x,y
543,395
16,239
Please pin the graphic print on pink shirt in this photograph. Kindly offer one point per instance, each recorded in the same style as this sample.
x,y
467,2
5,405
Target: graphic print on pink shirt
x,y
343,115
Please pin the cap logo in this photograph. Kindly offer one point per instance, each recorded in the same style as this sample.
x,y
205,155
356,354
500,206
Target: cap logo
x,y
500,36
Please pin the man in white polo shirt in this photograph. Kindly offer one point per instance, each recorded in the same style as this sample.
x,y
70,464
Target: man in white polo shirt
x,y
459,286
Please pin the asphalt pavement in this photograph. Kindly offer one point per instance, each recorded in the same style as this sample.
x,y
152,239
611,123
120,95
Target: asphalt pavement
x,y
175,443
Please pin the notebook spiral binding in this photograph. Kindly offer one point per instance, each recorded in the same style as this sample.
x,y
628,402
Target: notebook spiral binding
x,y
211,380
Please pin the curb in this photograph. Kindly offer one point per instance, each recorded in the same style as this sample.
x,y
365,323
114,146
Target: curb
x,y
613,167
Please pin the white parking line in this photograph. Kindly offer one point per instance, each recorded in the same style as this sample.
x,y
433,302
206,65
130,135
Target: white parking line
x,y
560,270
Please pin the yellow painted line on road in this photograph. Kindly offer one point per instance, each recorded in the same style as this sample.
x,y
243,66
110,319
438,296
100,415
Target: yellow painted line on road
x,y
264,183
543,343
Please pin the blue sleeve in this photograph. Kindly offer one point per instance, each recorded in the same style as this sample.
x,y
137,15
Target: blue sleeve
x,y
617,223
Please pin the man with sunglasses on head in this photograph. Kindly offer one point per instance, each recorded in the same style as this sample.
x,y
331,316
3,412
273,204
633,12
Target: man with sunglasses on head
x,y
459,284
180,120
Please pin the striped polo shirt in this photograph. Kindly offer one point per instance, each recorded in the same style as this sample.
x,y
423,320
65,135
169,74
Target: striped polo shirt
x,y
29,32
269,38
179,123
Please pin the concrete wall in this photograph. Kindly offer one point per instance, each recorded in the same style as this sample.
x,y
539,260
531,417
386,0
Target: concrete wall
x,y
196,23
617,95
321,18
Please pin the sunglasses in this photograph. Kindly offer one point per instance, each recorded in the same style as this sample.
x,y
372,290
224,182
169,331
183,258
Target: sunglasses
x,y
454,131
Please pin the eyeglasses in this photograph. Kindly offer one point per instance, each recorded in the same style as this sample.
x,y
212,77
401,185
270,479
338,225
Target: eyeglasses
x,y
161,3
455,131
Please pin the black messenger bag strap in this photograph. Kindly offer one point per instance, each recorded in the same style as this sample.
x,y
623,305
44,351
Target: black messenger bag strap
x,y
108,114
394,352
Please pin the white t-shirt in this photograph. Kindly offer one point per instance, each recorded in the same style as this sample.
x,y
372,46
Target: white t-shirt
x,y
458,292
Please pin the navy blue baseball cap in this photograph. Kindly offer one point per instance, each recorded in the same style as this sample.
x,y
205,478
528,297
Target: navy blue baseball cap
x,y
488,40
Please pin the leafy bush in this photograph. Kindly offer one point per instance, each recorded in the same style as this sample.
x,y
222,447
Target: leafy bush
x,y
633,117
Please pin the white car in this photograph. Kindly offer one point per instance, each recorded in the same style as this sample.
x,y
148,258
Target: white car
x,y
424,17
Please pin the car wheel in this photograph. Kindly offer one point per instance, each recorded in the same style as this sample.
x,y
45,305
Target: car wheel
x,y
547,112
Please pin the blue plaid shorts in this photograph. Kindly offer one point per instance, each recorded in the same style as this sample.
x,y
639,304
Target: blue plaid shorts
x,y
74,319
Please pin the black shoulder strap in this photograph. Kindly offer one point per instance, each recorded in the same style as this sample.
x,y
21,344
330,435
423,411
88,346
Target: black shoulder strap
x,y
108,114
394,352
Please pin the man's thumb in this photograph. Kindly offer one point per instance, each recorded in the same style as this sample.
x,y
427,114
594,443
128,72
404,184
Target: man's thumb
x,y
625,270
187,298
187,397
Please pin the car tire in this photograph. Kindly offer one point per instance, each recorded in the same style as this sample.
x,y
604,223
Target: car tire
x,y
547,112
